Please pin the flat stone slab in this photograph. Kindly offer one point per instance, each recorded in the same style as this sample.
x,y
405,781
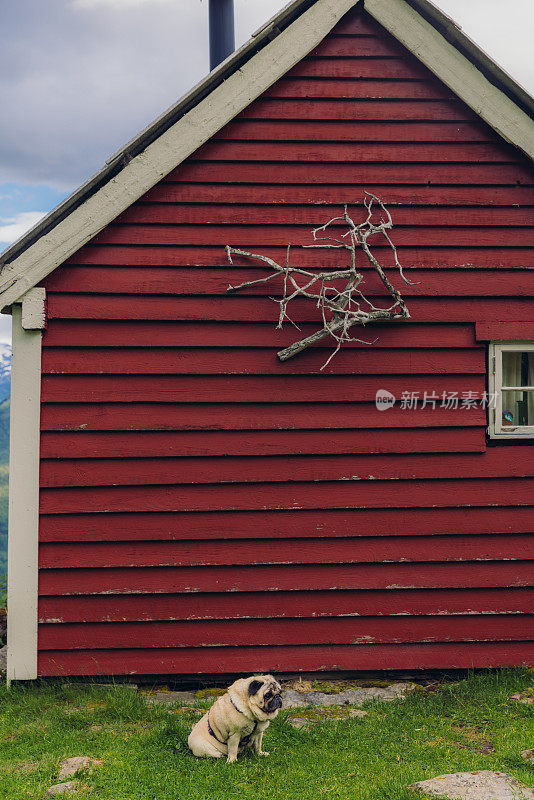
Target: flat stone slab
x,y
62,788
353,697
292,698
480,785
70,766
526,699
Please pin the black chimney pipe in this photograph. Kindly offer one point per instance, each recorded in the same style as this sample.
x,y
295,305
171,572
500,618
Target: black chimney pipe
x,y
222,41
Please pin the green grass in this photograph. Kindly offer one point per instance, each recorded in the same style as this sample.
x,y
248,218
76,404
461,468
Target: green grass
x,y
469,725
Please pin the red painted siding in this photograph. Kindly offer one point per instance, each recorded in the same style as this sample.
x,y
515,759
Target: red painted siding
x,y
203,503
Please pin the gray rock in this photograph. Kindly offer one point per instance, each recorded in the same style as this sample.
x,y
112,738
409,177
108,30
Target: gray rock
x,y
3,658
62,788
528,756
169,698
481,785
293,699
526,699
352,697
70,766
322,700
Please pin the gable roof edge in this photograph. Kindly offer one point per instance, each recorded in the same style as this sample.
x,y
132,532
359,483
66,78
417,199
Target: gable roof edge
x,y
163,121
137,174
277,46
451,31
448,63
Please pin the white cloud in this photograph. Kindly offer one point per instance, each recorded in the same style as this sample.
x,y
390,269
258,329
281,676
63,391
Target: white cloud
x,y
126,65
128,60
11,228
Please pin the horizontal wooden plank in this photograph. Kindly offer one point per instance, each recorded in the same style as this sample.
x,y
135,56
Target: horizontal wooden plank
x,y
444,257
237,308
189,661
404,152
353,173
359,24
123,471
285,578
176,282
357,89
232,214
268,416
288,551
265,605
353,130
372,110
342,46
254,236
327,494
139,444
258,361
498,331
352,630
391,68
141,526
247,388
139,333
395,197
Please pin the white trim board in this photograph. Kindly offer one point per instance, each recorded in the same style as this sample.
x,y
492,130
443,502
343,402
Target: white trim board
x,y
171,148
456,71
23,501
34,309
233,95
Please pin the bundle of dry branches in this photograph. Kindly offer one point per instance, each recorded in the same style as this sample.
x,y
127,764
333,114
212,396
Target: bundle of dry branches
x,y
340,308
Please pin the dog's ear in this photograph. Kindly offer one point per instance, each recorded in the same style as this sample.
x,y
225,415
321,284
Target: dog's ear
x,y
254,686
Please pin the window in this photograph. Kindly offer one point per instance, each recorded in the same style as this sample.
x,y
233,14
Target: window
x,y
511,384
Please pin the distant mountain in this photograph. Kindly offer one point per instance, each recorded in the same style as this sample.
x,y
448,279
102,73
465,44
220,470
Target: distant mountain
x,y
5,371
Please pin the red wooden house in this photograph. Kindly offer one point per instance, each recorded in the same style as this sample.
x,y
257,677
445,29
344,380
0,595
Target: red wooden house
x,y
182,501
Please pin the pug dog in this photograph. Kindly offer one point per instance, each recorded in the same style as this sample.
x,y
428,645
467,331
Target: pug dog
x,y
238,719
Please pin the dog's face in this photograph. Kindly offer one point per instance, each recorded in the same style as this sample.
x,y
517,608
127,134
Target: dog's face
x,y
264,693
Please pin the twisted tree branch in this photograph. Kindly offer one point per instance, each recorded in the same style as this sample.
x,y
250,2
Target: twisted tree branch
x,y
340,309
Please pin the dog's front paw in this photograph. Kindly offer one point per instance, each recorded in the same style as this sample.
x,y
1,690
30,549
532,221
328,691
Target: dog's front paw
x,y
231,759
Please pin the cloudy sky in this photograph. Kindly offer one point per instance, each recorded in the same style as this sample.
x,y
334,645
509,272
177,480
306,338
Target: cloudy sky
x,y
79,78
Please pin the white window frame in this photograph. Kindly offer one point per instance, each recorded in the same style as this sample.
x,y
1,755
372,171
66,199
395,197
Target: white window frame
x,y
495,429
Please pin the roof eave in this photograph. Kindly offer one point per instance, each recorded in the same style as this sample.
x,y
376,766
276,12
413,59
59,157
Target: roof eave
x,y
113,166
138,143
451,31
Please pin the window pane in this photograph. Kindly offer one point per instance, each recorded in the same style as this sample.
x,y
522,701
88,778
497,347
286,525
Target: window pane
x,y
517,368
517,408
